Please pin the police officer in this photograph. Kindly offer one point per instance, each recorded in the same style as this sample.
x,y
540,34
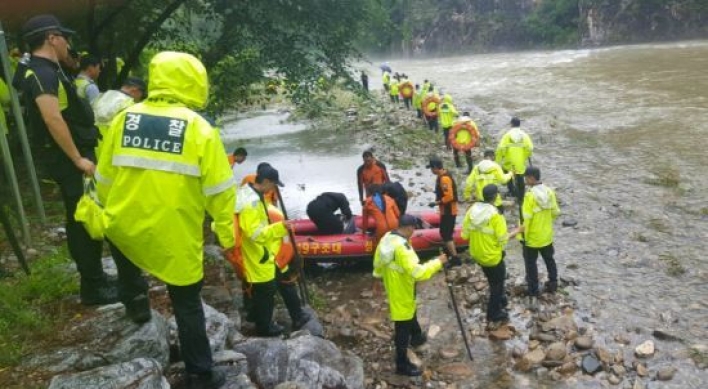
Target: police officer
x,y
64,137
321,212
485,173
259,236
398,265
163,167
487,233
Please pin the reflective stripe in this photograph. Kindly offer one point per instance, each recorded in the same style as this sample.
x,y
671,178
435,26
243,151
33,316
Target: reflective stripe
x,y
156,164
418,271
102,179
485,230
257,233
214,189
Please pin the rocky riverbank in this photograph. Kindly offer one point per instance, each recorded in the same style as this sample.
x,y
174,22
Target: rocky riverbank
x,y
554,342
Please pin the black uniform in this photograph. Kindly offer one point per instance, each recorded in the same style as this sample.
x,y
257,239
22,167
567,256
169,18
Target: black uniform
x,y
42,76
321,212
396,191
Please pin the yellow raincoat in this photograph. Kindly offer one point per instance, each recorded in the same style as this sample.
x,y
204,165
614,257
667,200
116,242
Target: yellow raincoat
x,y
514,148
486,230
162,166
398,264
540,209
486,172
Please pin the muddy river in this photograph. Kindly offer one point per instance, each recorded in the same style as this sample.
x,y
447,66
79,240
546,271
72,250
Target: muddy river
x,y
620,132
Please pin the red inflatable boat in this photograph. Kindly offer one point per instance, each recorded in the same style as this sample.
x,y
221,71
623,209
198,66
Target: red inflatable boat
x,y
360,246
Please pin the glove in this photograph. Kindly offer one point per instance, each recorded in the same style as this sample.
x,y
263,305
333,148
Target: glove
x,y
432,204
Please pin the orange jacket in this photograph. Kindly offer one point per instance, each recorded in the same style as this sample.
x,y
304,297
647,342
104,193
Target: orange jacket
x,y
446,193
386,220
367,175
270,197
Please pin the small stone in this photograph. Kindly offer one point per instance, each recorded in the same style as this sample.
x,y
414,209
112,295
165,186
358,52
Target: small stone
x,y
642,370
31,253
666,335
645,350
666,373
570,223
534,344
638,384
556,351
449,353
433,331
619,370
542,337
614,380
413,357
501,333
535,357
604,355
622,339
568,368
473,298
584,343
456,369
591,364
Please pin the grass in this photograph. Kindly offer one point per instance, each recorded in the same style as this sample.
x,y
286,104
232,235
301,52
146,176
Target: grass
x,y
668,177
29,305
674,266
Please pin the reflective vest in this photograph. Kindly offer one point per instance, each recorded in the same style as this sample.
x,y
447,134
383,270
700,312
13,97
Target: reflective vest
x,y
514,149
394,89
386,78
398,265
448,113
540,210
485,173
486,231
259,236
161,169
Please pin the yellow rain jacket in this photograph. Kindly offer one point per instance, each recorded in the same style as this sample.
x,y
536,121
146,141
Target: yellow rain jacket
x,y
486,230
105,108
399,266
514,148
417,100
448,112
162,166
540,210
393,91
386,78
261,239
486,172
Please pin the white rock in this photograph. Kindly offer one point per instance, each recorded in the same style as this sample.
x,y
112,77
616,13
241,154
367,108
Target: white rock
x,y
645,349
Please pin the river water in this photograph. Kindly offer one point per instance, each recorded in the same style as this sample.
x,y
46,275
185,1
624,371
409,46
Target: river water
x,y
620,132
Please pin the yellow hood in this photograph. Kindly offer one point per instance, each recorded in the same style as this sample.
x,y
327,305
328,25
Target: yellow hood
x,y
447,98
178,76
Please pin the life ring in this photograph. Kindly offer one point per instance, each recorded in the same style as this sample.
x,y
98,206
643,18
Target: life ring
x,y
431,112
464,135
406,90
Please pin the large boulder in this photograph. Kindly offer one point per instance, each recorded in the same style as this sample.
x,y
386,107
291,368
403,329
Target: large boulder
x,y
218,326
307,360
140,373
107,338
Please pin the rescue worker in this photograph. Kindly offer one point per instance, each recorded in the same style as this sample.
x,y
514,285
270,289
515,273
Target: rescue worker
x,y
321,211
107,105
407,92
514,150
64,137
431,109
384,211
465,118
446,201
162,169
237,157
371,172
386,79
90,69
365,81
487,233
487,172
394,91
397,264
540,210
398,193
447,114
259,235
270,196
418,102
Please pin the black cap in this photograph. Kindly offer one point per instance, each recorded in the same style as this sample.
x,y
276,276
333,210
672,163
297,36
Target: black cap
x,y
435,162
407,220
43,23
269,173
489,153
516,122
490,192
533,171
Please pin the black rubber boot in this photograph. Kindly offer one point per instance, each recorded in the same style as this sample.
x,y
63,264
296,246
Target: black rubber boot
x,y
99,292
214,379
138,309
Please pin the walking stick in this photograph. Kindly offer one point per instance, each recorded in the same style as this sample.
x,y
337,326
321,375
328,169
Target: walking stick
x,y
457,314
301,283
13,239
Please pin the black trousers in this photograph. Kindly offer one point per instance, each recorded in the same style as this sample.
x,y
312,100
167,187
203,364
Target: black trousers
x,y
446,137
186,304
468,158
530,257
408,101
327,223
405,331
517,187
85,251
432,123
497,296
419,113
287,287
263,300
